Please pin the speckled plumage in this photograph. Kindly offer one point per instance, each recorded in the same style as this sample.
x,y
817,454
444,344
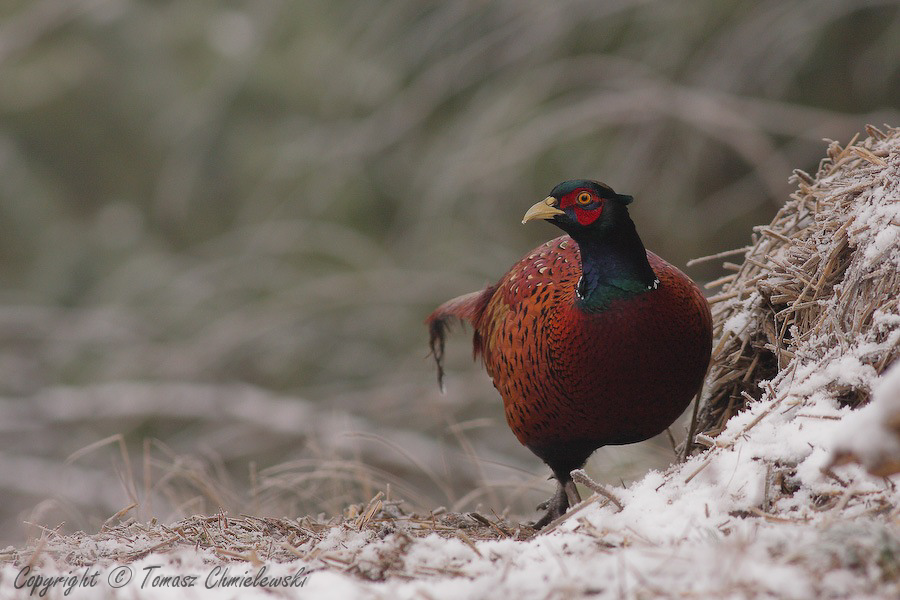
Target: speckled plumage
x,y
574,377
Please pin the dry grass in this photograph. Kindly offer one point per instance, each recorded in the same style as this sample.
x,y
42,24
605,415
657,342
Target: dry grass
x,y
258,540
799,269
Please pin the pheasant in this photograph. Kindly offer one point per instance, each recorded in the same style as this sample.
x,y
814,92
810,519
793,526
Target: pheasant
x,y
591,339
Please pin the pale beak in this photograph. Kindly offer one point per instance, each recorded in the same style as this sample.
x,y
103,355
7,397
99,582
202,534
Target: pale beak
x,y
545,209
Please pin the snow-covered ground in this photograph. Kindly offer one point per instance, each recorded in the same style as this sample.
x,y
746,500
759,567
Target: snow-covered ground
x,y
795,498
694,531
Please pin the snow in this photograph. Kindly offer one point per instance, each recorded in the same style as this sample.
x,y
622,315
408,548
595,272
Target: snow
x,y
886,216
872,434
781,505
738,322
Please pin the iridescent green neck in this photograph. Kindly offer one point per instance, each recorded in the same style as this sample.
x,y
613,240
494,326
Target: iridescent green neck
x,y
614,266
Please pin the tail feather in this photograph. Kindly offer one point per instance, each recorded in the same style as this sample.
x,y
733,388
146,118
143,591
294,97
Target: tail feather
x,y
464,308
437,330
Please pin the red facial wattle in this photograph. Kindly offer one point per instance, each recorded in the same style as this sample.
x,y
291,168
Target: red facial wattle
x,y
586,217
585,212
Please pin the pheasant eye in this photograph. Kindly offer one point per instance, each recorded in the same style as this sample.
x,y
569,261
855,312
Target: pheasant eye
x,y
584,198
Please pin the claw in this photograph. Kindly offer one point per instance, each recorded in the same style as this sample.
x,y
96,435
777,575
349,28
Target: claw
x,y
556,506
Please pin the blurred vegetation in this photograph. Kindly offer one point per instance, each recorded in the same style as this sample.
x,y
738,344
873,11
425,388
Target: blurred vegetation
x,y
275,194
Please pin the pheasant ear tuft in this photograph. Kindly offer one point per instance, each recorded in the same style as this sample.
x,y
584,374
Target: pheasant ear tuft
x,y
624,198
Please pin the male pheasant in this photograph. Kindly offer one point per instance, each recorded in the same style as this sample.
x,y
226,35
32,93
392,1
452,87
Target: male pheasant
x,y
590,339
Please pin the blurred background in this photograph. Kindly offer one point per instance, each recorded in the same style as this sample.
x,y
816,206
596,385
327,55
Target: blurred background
x,y
223,223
